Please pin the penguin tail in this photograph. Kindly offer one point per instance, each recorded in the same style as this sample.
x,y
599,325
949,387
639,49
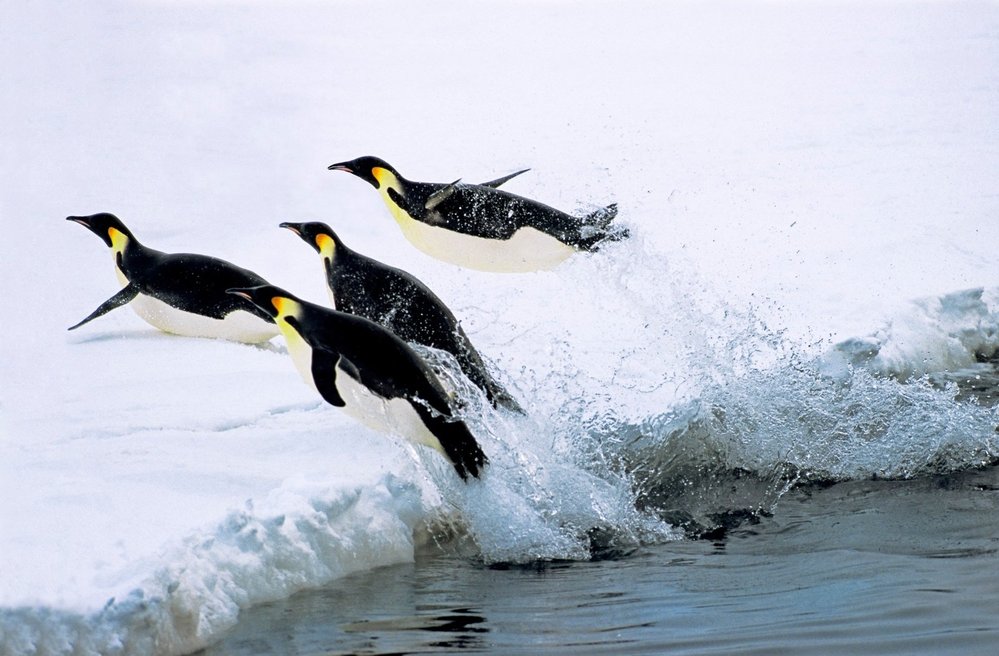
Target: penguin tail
x,y
501,398
597,228
602,217
473,367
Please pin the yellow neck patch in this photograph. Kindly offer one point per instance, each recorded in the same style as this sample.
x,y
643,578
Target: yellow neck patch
x,y
118,240
386,179
285,306
326,245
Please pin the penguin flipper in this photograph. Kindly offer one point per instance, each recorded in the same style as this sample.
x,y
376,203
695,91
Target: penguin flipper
x,y
499,181
127,293
440,195
324,365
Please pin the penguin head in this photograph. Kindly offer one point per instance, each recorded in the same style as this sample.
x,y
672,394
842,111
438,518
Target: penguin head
x,y
273,301
373,170
106,226
318,235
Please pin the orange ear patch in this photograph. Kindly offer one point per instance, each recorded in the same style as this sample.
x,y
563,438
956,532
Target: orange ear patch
x,y
325,243
118,239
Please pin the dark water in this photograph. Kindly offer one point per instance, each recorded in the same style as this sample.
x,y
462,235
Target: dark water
x,y
871,567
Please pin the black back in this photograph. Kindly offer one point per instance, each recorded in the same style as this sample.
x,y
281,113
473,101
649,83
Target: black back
x,y
483,211
188,281
403,304
387,366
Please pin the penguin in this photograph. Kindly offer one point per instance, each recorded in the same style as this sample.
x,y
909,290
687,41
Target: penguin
x,y
377,378
179,293
398,301
480,226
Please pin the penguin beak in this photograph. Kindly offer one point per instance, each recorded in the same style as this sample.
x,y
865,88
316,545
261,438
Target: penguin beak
x,y
294,227
342,166
239,291
79,219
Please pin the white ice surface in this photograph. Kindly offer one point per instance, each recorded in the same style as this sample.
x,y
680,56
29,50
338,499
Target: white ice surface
x,y
819,163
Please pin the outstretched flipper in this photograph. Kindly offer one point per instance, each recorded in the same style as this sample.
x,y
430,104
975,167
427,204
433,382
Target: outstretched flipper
x,y
499,181
127,293
440,196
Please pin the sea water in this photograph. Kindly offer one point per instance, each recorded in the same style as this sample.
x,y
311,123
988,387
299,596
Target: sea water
x,y
838,567
855,568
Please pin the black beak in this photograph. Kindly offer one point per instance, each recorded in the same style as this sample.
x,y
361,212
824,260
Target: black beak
x,y
342,166
240,291
79,219
294,227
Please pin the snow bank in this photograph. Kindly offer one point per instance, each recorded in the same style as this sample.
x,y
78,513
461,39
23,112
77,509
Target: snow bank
x,y
949,332
302,534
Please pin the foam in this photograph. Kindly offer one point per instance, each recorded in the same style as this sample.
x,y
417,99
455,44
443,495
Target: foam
x,y
934,334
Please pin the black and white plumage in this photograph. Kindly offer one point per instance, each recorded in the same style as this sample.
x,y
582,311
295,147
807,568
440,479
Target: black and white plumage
x,y
480,226
375,376
179,293
360,285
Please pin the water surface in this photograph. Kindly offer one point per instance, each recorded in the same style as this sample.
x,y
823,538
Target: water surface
x,y
857,567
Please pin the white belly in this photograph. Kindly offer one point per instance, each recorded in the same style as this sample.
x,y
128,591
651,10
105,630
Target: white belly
x,y
394,416
238,326
527,250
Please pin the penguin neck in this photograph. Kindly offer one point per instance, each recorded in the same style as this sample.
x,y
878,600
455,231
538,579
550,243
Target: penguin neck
x,y
328,267
393,189
332,252
300,351
131,258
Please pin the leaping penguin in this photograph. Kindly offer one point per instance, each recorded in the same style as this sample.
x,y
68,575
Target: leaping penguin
x,y
179,293
398,301
481,227
358,365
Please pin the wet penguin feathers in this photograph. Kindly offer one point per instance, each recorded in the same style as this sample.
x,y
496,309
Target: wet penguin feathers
x,y
480,226
181,293
371,373
398,301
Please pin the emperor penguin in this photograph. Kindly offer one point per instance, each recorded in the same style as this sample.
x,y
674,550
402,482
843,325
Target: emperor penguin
x,y
377,378
179,293
481,227
398,301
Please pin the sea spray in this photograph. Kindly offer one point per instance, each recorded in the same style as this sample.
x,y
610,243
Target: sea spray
x,y
534,501
706,408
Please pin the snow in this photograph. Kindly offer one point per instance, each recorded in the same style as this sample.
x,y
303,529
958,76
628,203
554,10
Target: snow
x,y
808,167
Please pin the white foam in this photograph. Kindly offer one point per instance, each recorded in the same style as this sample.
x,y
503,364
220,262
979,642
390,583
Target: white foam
x,y
936,334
